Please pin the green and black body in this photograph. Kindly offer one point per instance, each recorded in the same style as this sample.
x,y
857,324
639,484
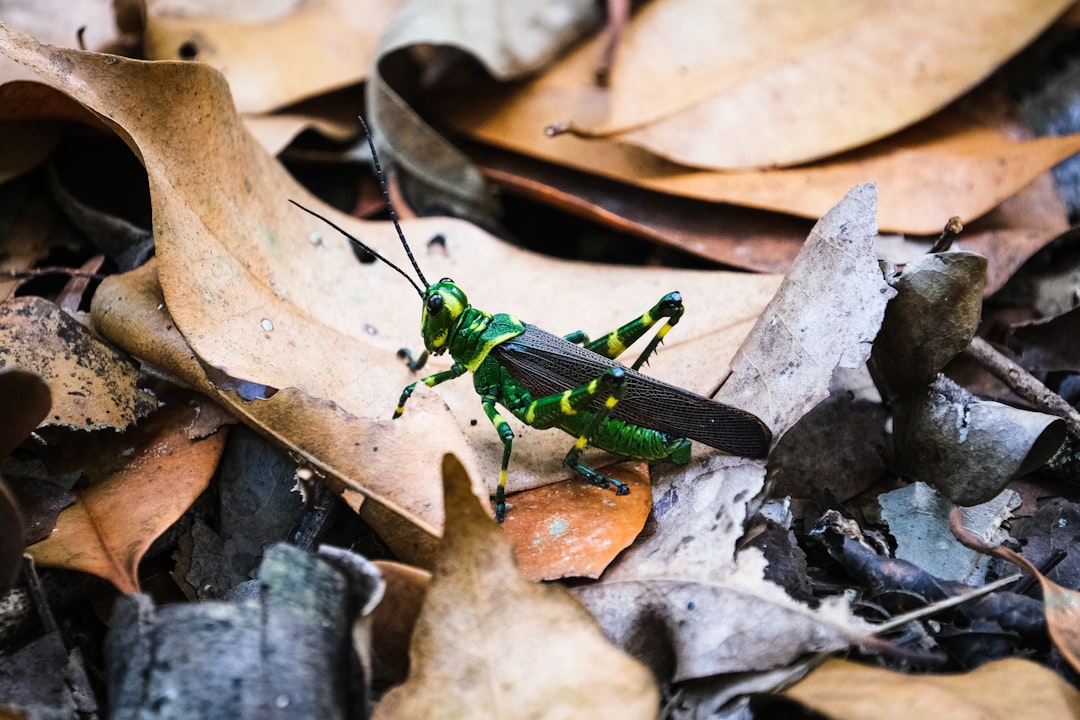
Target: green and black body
x,y
548,381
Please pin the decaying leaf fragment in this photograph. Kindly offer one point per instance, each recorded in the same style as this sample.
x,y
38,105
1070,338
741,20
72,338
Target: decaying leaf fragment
x,y
489,643
968,448
1062,604
933,317
1001,690
93,386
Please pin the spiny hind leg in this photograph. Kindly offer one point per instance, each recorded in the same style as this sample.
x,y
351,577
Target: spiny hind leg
x,y
553,410
611,385
669,309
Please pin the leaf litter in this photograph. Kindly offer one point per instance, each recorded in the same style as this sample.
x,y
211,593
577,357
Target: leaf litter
x,y
270,314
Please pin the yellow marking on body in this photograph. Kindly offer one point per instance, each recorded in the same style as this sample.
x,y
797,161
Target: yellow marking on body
x,y
399,411
429,381
591,387
663,330
452,304
440,339
615,345
611,402
502,478
530,413
564,403
581,442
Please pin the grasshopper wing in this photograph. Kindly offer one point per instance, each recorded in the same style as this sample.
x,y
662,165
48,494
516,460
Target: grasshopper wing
x,y
546,364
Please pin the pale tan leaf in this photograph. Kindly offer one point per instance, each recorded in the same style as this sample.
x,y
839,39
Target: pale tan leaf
x,y
489,643
999,690
776,82
310,48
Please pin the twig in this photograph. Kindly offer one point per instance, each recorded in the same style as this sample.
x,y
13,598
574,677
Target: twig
x,y
1023,383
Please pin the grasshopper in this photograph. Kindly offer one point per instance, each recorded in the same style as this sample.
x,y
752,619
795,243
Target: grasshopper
x,y
567,382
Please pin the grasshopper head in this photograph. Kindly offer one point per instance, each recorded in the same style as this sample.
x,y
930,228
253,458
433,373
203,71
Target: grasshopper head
x,y
443,304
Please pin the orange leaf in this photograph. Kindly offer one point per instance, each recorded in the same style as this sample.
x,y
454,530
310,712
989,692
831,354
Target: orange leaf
x,y
114,521
574,529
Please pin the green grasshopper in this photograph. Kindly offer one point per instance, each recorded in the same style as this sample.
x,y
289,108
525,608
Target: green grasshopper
x,y
567,382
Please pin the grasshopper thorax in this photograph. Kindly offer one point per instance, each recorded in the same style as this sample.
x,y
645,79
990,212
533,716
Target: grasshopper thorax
x,y
444,302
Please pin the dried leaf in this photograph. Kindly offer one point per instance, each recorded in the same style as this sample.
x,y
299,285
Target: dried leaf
x,y
314,47
489,643
918,519
394,619
1000,690
711,608
26,403
573,529
507,44
950,164
114,521
933,317
93,386
1048,345
714,85
266,295
966,448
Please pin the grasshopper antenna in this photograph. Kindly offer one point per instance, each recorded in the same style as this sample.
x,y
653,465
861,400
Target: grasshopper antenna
x,y
366,248
389,205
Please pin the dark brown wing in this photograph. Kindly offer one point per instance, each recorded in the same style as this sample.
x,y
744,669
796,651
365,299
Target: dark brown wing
x,y
545,364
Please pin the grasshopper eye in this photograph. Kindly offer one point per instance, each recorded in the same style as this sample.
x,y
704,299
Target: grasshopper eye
x,y
434,304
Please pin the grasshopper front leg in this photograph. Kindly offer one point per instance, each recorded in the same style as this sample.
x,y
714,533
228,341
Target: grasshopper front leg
x,y
455,371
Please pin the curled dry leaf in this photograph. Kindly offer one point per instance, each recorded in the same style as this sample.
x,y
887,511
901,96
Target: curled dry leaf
x,y
26,403
933,317
93,386
314,47
394,619
1062,604
491,643
717,85
999,690
951,164
967,448
711,611
114,520
507,44
574,529
265,294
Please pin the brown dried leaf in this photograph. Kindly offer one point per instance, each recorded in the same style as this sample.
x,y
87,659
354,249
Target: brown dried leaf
x,y
394,619
27,400
950,164
489,643
999,690
93,386
114,521
723,85
573,529
312,47
267,295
